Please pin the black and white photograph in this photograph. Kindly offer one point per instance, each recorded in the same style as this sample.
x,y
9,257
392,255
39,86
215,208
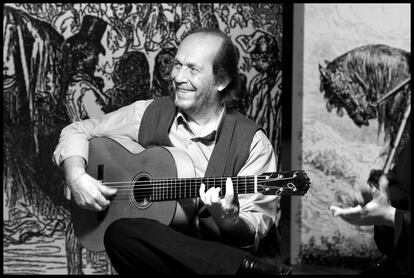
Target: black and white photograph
x,y
206,138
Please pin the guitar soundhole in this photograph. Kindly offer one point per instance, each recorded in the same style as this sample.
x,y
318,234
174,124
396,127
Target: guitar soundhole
x,y
142,191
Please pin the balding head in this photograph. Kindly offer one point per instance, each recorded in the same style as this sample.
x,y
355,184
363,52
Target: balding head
x,y
225,62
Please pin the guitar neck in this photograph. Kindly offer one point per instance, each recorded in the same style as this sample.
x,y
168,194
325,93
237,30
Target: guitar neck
x,y
174,189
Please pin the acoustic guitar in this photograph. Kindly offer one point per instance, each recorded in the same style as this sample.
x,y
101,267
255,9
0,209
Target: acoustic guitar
x,y
159,183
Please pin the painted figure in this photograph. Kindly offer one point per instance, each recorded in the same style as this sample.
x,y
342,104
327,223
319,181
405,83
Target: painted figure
x,y
162,83
265,87
84,96
131,81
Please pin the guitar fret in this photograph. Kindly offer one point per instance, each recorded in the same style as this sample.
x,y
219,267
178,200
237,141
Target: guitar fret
x,y
151,198
191,187
156,190
168,190
161,192
196,185
199,182
195,188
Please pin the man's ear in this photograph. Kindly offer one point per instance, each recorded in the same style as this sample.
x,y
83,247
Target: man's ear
x,y
223,85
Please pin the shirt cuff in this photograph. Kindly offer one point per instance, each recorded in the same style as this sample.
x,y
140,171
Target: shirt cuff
x,y
75,146
250,220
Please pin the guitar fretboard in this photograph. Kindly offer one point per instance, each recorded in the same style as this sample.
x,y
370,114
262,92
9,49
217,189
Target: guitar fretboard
x,y
174,189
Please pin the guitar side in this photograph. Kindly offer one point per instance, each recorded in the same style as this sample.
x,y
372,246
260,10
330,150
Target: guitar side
x,y
111,163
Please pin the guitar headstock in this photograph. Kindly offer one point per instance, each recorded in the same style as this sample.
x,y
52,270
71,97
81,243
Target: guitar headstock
x,y
295,182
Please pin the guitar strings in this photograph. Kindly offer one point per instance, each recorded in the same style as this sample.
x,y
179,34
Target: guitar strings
x,y
183,180
164,196
156,191
169,193
158,184
261,178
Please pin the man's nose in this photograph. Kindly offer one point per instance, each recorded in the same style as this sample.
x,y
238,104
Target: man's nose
x,y
179,75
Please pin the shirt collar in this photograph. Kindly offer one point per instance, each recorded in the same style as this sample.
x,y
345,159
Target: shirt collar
x,y
210,137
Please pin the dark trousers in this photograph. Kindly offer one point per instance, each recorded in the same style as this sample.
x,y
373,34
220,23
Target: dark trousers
x,y
147,246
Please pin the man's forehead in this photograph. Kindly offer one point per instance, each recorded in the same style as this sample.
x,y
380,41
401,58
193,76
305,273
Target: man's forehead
x,y
205,36
200,45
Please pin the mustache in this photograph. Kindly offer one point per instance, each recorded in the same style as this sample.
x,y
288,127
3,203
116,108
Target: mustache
x,y
181,87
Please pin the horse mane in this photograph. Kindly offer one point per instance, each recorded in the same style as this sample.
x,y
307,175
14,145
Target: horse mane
x,y
379,69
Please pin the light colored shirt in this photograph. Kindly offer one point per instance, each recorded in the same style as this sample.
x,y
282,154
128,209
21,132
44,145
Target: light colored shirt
x,y
260,211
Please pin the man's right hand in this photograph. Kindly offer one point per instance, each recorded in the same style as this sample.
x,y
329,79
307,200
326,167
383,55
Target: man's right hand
x,y
90,193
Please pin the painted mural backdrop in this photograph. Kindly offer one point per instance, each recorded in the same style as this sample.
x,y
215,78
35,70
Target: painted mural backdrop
x,y
353,54
65,62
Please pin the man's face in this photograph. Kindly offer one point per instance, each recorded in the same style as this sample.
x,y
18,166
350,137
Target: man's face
x,y
196,88
119,10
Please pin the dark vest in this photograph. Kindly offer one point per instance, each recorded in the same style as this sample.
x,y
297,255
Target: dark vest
x,y
230,153
234,136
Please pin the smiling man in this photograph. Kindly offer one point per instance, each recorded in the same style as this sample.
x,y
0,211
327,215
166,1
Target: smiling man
x,y
226,233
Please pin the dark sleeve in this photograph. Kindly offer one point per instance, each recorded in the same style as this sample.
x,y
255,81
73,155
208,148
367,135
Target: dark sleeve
x,y
402,239
402,219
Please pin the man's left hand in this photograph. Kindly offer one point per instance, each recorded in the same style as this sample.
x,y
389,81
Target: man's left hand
x,y
225,210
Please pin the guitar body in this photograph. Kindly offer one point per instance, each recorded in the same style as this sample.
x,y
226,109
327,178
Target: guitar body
x,y
111,163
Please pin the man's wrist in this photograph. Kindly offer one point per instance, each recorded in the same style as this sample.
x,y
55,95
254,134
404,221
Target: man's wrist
x,y
73,168
73,178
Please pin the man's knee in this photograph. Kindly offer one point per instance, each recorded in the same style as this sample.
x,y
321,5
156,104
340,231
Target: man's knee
x,y
122,230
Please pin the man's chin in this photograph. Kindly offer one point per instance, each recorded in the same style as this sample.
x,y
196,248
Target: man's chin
x,y
183,104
